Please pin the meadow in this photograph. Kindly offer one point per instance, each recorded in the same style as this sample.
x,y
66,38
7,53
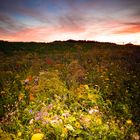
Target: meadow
x,y
69,90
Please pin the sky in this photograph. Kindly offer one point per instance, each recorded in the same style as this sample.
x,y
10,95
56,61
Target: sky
x,y
115,21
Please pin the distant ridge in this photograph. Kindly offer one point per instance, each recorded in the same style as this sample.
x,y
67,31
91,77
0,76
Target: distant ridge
x,y
69,40
74,41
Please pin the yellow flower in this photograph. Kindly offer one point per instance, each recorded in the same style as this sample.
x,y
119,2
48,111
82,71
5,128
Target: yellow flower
x,y
99,121
20,96
31,97
129,122
65,130
81,86
107,79
19,134
86,87
85,120
37,130
37,136
77,125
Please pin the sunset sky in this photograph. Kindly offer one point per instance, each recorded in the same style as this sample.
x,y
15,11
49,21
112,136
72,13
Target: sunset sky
x,y
48,20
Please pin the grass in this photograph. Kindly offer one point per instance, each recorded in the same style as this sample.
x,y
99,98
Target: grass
x,y
69,90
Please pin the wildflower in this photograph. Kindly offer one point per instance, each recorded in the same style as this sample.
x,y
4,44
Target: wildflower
x,y
96,87
77,125
107,86
44,114
54,122
129,122
17,66
107,79
50,106
30,78
126,91
66,115
65,130
41,73
30,110
37,136
85,120
38,116
37,130
91,111
31,97
98,121
136,136
21,96
86,87
31,121
36,80
60,120
49,61
3,93
26,81
82,86
19,134
43,104
122,130
94,110
69,127
27,87
45,121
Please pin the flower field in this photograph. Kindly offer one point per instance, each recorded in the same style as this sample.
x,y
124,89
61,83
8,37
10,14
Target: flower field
x,y
72,90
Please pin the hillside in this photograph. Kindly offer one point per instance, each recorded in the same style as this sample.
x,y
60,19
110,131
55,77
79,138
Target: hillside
x,y
69,90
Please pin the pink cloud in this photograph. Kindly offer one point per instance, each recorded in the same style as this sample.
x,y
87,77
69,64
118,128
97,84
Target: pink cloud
x,y
41,33
132,29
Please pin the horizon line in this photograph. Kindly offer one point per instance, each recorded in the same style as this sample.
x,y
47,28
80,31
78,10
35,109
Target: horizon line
x,y
123,43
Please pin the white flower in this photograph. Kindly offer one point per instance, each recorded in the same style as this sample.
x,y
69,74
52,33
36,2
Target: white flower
x,y
26,81
41,73
91,111
54,122
66,115
31,121
69,127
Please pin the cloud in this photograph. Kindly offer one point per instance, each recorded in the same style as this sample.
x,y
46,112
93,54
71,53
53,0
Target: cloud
x,y
10,24
129,28
132,23
45,20
42,33
71,23
28,8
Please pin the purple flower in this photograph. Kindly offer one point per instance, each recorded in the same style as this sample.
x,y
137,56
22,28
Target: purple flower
x,y
50,106
44,114
31,111
38,116
36,81
45,122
